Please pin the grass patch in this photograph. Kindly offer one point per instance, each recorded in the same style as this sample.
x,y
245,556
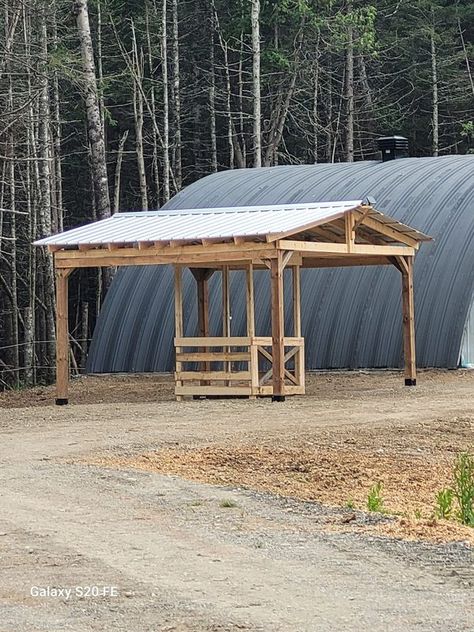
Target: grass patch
x,y
375,499
227,503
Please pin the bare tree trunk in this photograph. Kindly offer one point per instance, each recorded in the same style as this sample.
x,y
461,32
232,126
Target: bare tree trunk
x,y
243,162
100,71
151,70
228,93
257,107
315,110
166,116
12,264
330,109
278,124
434,85
44,132
32,176
58,176
350,90
177,168
28,353
118,171
466,57
212,97
45,219
94,121
138,115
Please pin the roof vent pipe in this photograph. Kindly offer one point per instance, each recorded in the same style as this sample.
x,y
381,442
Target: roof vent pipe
x,y
392,147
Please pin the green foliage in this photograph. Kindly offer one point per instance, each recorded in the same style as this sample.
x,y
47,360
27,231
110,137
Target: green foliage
x,y
463,487
444,503
276,58
375,500
228,503
462,491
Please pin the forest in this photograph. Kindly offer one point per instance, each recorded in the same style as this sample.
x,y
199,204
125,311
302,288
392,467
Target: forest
x,y
114,105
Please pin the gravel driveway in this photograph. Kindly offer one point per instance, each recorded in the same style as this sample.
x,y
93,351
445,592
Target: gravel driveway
x,y
162,553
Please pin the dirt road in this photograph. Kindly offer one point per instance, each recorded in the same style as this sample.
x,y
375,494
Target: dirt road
x,y
182,555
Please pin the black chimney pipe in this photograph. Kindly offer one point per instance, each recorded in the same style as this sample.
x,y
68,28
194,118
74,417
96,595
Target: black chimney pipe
x,y
392,147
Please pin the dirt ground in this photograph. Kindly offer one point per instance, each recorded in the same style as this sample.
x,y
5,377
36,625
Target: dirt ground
x,y
233,514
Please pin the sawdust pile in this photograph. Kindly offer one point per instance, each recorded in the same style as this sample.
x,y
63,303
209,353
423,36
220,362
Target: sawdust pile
x,y
336,477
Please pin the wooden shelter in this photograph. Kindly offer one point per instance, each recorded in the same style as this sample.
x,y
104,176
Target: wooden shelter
x,y
207,241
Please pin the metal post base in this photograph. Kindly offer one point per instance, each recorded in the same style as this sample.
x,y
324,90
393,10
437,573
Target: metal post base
x,y
278,398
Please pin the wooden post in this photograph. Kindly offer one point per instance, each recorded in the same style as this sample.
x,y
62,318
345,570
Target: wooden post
x,y
299,357
349,223
408,300
202,276
226,329
250,301
225,302
178,317
278,328
296,301
62,337
203,307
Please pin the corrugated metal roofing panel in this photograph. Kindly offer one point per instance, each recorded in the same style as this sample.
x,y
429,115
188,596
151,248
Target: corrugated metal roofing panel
x,y
195,224
212,223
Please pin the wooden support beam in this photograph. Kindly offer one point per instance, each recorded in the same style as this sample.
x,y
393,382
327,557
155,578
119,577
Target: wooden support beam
x,y
296,301
350,232
286,258
305,227
321,249
62,337
250,301
226,315
210,256
387,230
226,330
278,328
178,319
202,276
328,234
408,301
345,261
159,248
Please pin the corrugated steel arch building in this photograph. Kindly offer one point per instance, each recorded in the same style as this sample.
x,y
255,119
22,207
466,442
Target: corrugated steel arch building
x,y
351,317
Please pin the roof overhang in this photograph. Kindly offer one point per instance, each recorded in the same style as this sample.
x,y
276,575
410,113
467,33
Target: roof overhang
x,y
314,232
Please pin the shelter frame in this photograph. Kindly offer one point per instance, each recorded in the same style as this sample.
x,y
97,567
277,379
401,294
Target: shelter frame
x,y
357,237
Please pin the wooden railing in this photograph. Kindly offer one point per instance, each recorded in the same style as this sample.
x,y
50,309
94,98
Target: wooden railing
x,y
233,366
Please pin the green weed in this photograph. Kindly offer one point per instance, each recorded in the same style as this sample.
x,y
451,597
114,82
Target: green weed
x,y
444,503
375,499
227,503
463,487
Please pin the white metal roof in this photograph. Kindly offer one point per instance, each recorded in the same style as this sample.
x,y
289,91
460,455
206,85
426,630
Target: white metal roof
x,y
195,224
190,225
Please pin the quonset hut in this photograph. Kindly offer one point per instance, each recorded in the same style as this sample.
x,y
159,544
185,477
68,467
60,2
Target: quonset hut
x,y
351,317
